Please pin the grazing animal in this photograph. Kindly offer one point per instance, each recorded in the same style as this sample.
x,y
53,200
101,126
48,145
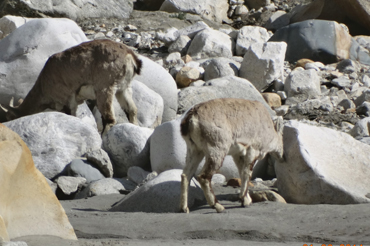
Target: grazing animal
x,y
237,127
96,70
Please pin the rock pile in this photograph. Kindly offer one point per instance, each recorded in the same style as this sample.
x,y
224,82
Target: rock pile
x,y
190,57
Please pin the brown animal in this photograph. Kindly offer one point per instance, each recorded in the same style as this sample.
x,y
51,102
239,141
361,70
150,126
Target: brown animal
x,y
96,70
237,127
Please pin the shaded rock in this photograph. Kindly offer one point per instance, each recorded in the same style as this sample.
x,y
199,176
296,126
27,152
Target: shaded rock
x,y
272,99
277,20
80,168
100,159
211,43
215,10
257,4
263,63
319,40
318,162
25,51
168,151
55,139
180,45
75,10
159,80
229,86
19,214
361,128
221,67
161,195
126,145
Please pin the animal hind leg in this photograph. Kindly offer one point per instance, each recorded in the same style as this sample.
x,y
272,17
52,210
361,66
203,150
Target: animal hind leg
x,y
104,103
243,163
212,164
193,158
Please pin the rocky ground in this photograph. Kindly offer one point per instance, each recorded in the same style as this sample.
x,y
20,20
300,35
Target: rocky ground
x,y
261,224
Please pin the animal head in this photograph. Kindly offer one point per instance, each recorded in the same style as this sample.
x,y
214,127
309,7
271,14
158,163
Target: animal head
x,y
11,111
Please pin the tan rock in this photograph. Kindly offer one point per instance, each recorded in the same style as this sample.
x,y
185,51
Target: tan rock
x,y
266,195
186,76
303,62
272,99
27,205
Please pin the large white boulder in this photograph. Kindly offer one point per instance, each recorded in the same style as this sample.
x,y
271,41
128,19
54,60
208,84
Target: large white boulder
x,y
322,165
25,51
168,151
215,10
72,9
55,139
211,43
225,87
249,35
159,80
127,145
263,63
160,195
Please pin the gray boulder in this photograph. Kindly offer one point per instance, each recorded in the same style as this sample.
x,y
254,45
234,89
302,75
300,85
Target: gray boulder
x,y
263,63
126,145
69,185
80,168
211,43
159,80
322,165
160,195
225,87
75,10
361,129
215,10
55,139
168,151
100,159
300,81
25,51
319,40
221,67
9,23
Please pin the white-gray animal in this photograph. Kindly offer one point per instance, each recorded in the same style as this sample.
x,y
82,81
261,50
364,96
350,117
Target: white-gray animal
x,y
237,127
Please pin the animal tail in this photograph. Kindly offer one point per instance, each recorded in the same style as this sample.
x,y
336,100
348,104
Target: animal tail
x,y
185,122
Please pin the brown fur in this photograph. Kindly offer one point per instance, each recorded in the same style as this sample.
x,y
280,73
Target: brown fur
x,y
216,128
104,66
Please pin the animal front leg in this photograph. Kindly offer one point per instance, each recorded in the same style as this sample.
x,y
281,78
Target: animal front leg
x,y
245,173
104,103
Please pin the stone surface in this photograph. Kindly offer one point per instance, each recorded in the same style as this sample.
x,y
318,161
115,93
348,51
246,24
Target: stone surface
x,y
186,76
159,80
322,165
215,10
70,185
161,195
300,81
25,51
211,43
55,139
221,67
81,168
263,63
19,214
75,10
249,35
100,159
229,86
9,23
319,40
127,145
168,151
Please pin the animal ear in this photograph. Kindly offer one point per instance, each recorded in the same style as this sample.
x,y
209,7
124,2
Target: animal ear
x,y
279,124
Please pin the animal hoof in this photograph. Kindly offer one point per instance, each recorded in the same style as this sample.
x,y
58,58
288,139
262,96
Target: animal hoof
x,y
219,208
246,201
184,210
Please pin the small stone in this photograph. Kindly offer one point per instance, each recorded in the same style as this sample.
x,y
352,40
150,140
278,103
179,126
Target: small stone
x,y
235,182
187,75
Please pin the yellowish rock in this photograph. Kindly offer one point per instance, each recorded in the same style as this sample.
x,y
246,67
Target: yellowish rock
x,y
186,76
27,204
